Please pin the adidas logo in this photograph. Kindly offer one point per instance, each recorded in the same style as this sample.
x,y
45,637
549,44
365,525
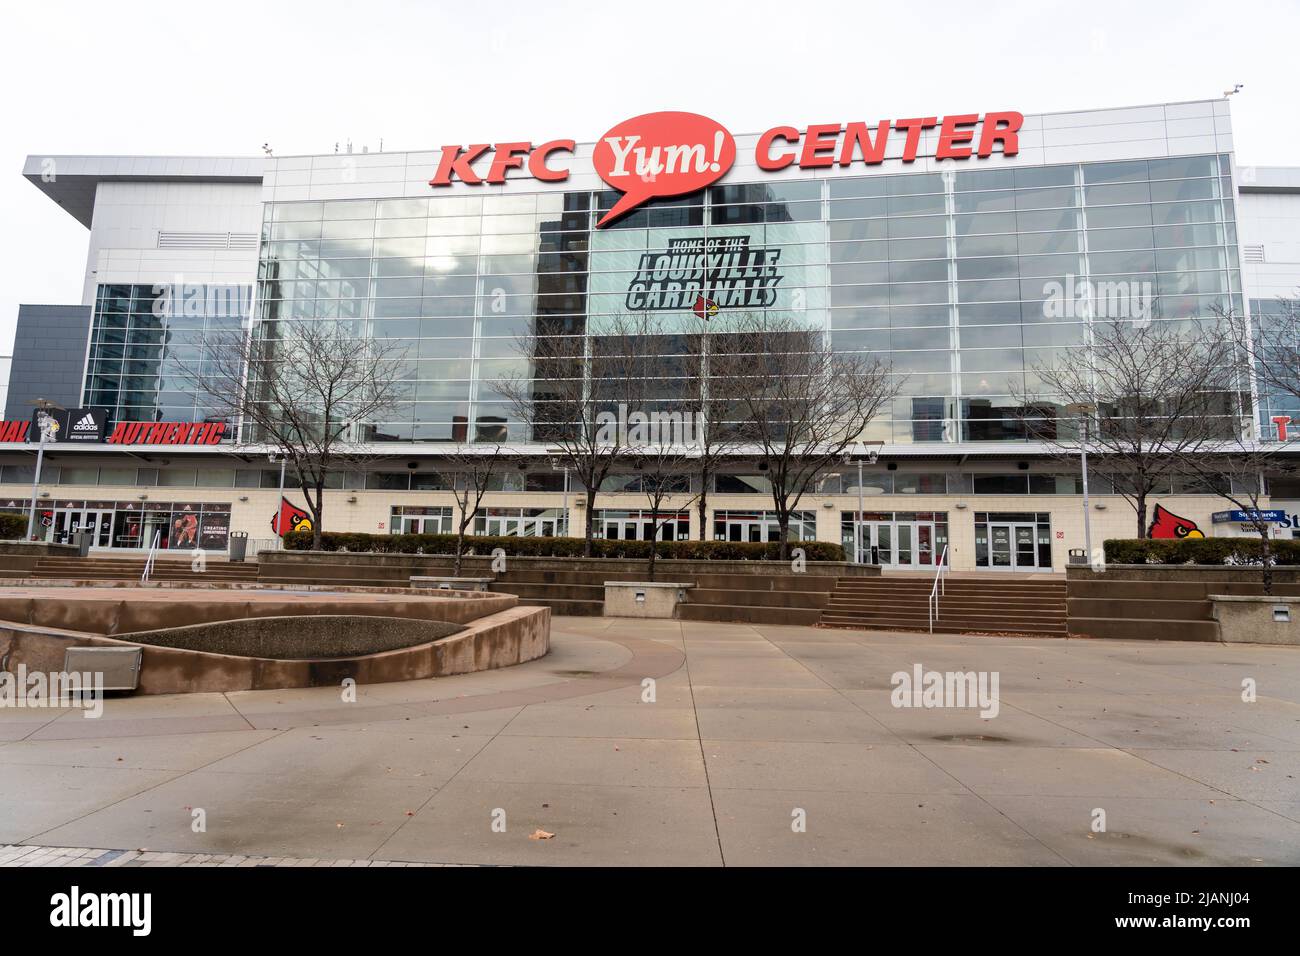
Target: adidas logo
x,y
86,424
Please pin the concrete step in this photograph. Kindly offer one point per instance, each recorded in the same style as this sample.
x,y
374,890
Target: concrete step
x,y
1144,629
942,627
1190,610
567,607
749,615
799,599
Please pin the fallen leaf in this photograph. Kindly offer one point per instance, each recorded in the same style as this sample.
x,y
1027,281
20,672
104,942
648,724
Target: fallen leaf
x,y
541,835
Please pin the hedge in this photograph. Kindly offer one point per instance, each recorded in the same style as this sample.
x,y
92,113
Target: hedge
x,y
445,544
12,526
1206,551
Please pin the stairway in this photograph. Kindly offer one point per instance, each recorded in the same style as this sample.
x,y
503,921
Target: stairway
x,y
983,605
130,569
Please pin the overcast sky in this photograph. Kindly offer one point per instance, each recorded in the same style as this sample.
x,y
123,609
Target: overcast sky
x,y
179,78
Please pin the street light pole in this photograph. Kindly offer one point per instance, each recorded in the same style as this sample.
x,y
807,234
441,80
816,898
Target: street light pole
x,y
1084,411
1087,514
857,521
42,405
36,480
279,507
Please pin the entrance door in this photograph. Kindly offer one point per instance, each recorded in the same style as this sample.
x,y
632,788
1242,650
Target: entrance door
x,y
1026,550
905,554
99,525
1013,546
925,544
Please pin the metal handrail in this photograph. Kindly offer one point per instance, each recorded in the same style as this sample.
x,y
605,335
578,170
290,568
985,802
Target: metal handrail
x,y
148,562
939,588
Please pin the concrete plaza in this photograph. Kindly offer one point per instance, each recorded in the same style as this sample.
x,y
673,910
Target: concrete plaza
x,y
763,745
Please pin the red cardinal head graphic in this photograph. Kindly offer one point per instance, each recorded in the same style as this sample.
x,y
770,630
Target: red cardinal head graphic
x,y
1166,524
704,308
292,518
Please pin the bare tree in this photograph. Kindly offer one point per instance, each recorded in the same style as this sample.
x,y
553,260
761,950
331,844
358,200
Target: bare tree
x,y
711,402
662,440
1239,471
578,393
470,473
804,404
313,391
1149,394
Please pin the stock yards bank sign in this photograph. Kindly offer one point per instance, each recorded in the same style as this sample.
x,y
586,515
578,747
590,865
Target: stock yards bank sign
x,y
659,155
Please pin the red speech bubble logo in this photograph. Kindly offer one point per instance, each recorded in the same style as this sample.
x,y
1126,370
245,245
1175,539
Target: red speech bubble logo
x,y
661,154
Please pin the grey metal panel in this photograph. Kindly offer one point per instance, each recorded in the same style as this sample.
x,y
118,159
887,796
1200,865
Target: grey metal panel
x,y
119,666
49,357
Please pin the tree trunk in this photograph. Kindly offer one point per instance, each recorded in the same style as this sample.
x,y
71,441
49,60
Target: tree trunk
x,y
1141,508
317,514
703,507
590,524
1267,549
650,563
783,525
460,549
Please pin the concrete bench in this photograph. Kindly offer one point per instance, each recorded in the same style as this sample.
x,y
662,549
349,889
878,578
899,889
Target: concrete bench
x,y
644,598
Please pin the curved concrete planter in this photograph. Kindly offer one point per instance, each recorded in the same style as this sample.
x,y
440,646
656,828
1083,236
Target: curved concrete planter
x,y
37,626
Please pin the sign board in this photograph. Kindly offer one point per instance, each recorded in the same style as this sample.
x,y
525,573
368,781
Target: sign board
x,y
671,153
65,425
1232,517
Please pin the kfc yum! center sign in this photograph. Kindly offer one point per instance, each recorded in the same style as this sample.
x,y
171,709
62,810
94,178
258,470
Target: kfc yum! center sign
x,y
672,153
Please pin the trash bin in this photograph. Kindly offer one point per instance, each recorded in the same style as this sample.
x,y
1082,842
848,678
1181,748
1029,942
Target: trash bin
x,y
82,540
1078,556
238,545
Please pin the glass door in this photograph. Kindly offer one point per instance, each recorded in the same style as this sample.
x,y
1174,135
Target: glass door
x,y
1000,546
99,525
925,544
1026,548
905,553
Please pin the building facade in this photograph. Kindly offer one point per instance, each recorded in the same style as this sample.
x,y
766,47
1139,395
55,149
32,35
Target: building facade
x,y
961,251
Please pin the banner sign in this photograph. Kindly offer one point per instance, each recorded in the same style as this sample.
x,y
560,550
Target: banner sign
x,y
672,153
705,275
1221,517
62,426
167,433
88,425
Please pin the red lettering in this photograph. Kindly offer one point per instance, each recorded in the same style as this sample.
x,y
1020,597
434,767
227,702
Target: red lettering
x,y
1000,128
950,136
815,145
119,434
218,429
763,154
157,434
859,137
537,167
457,161
507,156
1281,421
914,128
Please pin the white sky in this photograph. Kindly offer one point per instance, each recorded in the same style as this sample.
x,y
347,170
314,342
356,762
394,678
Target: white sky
x,y
181,78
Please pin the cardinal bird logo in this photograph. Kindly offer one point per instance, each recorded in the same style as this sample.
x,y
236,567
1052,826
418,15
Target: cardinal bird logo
x,y
292,518
1166,524
704,308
